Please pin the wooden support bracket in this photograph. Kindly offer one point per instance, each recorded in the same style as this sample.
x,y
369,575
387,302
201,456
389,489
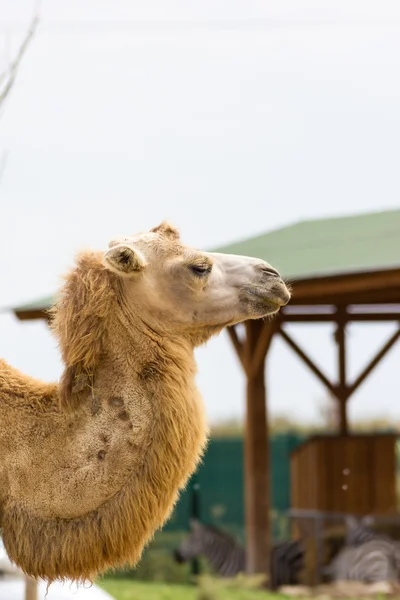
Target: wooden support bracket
x,y
316,370
372,364
239,347
342,390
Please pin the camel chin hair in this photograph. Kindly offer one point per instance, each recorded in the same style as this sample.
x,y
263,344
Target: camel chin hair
x,y
92,466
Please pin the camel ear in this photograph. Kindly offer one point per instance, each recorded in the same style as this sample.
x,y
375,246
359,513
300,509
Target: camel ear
x,y
167,230
125,260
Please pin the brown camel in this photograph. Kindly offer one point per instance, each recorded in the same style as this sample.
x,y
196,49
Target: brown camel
x,y
93,465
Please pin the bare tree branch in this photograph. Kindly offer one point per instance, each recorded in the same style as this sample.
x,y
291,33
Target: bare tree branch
x,y
7,78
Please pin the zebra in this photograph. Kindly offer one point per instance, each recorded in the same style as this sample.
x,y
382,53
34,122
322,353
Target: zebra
x,y
287,560
228,558
369,562
222,551
359,531
367,556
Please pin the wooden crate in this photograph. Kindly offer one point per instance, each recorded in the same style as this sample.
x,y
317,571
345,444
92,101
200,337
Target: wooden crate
x,y
350,474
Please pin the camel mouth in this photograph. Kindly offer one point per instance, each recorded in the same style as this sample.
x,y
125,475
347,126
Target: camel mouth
x,y
272,298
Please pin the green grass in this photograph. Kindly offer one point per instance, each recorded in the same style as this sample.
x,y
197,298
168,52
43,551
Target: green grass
x,y
126,589
157,564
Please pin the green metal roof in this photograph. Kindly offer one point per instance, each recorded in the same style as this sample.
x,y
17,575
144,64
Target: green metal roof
x,y
323,247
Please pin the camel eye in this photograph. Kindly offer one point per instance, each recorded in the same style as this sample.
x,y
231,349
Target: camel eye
x,y
200,270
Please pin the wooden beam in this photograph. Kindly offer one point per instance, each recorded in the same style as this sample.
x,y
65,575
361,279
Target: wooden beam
x,y
372,364
239,347
351,283
328,384
376,296
257,494
351,317
293,317
29,315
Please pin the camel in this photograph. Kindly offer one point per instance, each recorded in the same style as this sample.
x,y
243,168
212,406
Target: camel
x,y
93,465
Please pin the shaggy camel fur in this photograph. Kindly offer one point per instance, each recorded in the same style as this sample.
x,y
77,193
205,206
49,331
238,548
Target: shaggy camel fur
x,y
92,466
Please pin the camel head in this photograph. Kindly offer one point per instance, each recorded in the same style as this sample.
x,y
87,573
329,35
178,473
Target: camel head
x,y
159,289
178,289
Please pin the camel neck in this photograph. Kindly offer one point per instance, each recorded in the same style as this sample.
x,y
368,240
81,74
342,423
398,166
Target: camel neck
x,y
146,350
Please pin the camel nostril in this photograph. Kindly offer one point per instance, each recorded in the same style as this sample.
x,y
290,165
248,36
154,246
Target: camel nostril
x,y
268,270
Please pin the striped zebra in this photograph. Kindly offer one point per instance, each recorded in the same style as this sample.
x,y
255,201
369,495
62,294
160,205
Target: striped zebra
x,y
359,531
370,562
227,558
368,556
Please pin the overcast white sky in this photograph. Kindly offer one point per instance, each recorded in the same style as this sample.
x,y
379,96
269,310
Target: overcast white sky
x,y
228,118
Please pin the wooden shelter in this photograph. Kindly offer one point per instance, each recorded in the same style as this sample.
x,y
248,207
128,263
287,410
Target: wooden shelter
x,y
347,474
342,270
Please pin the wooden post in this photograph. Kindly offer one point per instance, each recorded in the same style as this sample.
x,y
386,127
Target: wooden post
x,y
342,389
343,420
257,495
31,589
